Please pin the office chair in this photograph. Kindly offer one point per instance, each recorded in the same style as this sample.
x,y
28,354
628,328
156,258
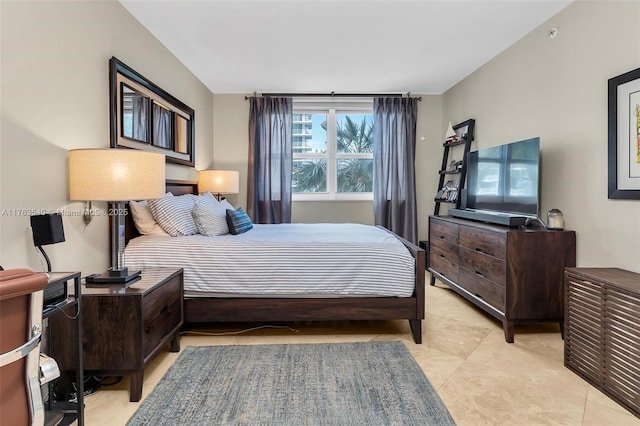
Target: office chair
x,y
22,370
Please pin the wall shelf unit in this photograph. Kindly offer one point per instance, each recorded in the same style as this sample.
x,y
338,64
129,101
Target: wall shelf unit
x,y
453,171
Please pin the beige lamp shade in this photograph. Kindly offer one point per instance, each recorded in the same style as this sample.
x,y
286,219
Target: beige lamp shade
x,y
115,175
219,181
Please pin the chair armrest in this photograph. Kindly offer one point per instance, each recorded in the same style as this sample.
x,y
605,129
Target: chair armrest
x,y
21,352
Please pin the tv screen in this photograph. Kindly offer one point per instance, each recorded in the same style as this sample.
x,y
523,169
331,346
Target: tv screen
x,y
504,178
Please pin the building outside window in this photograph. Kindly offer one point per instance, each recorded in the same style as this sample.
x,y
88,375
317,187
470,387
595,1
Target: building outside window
x,y
302,133
332,149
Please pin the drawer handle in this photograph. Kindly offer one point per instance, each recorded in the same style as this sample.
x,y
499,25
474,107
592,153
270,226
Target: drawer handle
x,y
441,237
480,274
478,249
478,296
442,255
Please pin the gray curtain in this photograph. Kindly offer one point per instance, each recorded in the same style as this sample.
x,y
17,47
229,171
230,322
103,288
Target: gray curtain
x,y
139,107
161,127
270,160
394,188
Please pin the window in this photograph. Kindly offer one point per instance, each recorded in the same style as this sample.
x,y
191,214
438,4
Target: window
x,y
332,149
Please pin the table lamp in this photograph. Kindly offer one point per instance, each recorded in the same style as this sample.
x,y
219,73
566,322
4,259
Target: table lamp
x,y
115,175
219,182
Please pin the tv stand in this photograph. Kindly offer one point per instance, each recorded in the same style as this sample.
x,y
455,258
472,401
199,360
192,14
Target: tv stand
x,y
513,274
507,219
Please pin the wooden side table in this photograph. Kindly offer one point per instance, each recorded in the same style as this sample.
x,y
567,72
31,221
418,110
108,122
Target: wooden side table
x,y
125,327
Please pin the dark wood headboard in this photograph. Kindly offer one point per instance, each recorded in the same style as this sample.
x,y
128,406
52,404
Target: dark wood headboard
x,y
176,187
181,187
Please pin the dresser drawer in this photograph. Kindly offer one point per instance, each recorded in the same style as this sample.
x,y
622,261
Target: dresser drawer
x,y
445,249
441,230
443,258
489,291
491,243
161,313
486,266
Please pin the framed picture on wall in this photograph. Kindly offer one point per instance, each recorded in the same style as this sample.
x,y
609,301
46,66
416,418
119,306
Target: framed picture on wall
x,y
624,136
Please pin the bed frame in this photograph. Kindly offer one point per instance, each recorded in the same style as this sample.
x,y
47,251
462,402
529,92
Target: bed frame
x,y
211,310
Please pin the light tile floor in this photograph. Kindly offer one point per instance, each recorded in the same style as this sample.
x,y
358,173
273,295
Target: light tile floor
x,y
482,379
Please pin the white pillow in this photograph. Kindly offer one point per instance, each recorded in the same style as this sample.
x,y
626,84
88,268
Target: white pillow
x,y
208,197
211,220
142,217
174,214
226,204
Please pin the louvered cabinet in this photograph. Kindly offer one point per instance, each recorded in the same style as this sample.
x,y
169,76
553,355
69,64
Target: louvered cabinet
x,y
602,331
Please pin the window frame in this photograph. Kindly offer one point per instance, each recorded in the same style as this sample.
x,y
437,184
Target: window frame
x,y
332,108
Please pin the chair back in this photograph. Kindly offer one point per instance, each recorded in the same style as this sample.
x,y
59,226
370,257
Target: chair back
x,y
21,292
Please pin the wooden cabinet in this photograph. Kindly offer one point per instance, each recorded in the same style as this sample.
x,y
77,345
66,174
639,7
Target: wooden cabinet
x,y
602,331
514,274
125,327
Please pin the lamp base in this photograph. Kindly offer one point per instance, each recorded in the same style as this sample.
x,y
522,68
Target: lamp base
x,y
114,276
118,272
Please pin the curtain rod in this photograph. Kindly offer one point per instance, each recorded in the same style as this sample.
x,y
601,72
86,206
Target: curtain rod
x,y
332,95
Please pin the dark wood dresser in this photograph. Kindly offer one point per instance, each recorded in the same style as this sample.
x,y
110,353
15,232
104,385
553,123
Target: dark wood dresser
x,y
516,275
125,327
602,331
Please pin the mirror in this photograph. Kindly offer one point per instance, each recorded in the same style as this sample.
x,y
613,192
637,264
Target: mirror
x,y
135,110
143,116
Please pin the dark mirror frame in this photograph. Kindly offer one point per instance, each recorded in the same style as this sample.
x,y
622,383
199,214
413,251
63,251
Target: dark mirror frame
x,y
118,71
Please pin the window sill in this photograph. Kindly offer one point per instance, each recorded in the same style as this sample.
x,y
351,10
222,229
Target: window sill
x,y
332,197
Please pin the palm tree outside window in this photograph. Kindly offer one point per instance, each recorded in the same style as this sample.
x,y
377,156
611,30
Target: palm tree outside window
x,y
333,150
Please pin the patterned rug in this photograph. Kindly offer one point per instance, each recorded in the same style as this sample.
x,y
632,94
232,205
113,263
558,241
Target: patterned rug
x,y
373,383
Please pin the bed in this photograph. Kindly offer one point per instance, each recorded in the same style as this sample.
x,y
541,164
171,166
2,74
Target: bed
x,y
376,296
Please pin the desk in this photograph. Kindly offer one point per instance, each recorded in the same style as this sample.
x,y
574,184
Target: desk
x,y
67,310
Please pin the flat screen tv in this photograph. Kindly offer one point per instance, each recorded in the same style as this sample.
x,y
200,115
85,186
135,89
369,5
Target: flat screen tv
x,y
504,180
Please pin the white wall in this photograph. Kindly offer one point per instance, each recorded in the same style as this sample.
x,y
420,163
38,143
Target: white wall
x,y
230,140
55,97
428,159
557,89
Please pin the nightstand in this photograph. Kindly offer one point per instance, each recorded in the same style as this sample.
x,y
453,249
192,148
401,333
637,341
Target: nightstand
x,y
124,327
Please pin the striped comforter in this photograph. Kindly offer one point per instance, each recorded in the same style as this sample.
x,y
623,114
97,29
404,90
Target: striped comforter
x,y
284,260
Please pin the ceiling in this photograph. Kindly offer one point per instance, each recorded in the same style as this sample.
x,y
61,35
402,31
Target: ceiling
x,y
338,46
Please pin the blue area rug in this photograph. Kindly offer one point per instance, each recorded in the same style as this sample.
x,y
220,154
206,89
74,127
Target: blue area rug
x,y
373,383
